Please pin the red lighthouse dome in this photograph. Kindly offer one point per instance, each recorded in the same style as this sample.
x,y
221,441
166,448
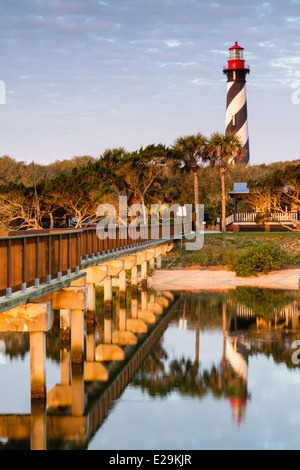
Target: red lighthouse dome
x,y
236,59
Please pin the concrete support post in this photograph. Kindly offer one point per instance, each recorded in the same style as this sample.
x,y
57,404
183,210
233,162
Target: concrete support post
x,y
91,299
158,262
134,307
38,427
107,330
65,367
77,328
90,347
122,282
65,320
108,293
144,300
144,274
134,277
37,365
122,318
78,400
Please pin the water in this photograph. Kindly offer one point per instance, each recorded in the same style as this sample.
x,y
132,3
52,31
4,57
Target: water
x,y
220,372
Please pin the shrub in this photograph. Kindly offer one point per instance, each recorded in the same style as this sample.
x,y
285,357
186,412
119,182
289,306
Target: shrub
x,y
258,259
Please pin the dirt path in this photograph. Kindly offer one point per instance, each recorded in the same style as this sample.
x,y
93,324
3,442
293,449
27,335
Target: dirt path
x,y
194,280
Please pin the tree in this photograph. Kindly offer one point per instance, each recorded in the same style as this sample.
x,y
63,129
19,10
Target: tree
x,y
222,150
287,184
261,198
79,193
107,166
18,208
11,171
192,150
277,194
142,171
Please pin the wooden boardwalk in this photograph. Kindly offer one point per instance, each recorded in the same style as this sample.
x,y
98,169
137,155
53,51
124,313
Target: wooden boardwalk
x,y
34,263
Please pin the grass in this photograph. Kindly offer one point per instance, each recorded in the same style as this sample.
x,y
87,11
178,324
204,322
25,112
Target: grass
x,y
217,247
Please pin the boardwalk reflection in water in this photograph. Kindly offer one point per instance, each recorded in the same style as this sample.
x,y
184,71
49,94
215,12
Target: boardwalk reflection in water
x,y
92,374
158,370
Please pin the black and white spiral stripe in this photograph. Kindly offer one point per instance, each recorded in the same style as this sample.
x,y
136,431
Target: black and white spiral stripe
x,y
236,113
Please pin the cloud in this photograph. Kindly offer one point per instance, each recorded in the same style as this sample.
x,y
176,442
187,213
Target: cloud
x,y
172,43
293,19
65,62
267,44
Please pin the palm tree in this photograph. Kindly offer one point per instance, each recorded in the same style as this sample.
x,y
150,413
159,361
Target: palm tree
x,y
222,150
191,149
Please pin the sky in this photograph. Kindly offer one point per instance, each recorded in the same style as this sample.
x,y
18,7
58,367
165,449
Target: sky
x,y
82,76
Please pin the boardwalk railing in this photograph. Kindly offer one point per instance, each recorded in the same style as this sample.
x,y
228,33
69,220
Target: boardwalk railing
x,y
250,217
229,220
30,258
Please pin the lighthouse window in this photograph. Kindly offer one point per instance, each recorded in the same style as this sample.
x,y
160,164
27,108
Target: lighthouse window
x,y
233,119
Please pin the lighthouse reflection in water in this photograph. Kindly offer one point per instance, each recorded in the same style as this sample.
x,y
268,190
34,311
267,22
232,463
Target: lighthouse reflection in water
x,y
214,379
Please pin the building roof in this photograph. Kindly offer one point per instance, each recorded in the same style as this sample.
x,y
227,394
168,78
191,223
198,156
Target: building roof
x,y
236,46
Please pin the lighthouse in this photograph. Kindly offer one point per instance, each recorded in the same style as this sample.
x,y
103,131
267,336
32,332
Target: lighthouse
x,y
236,105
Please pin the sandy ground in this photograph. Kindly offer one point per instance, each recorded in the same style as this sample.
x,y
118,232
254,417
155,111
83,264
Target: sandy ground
x,y
195,280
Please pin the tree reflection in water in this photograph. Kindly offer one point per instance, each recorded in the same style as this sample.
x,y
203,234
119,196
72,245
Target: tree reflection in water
x,y
161,376
248,322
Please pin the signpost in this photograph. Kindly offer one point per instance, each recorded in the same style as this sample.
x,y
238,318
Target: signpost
x,y
181,212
